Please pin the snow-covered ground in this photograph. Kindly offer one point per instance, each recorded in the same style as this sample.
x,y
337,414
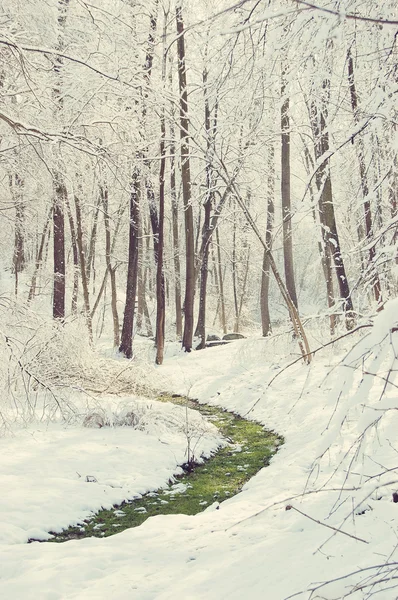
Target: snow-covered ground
x,y
276,538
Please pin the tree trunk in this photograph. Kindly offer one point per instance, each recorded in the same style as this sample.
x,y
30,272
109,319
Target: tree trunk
x,y
221,284
75,253
39,257
59,186
186,188
18,259
60,194
323,247
235,277
206,232
160,285
265,274
140,279
286,200
126,344
326,206
83,269
110,268
176,241
90,262
204,270
364,184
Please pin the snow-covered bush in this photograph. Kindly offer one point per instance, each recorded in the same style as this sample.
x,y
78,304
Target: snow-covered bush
x,y
50,371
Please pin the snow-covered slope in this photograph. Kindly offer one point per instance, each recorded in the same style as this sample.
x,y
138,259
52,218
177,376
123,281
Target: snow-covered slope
x,y
276,538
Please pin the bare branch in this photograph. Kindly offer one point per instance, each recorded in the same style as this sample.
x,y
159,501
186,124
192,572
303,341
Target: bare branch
x,y
74,59
290,507
343,15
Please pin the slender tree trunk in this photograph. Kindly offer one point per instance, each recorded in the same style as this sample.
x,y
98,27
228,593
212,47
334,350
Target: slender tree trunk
x,y
160,284
204,270
235,277
286,200
186,188
90,263
323,247
60,194
18,259
126,344
206,232
75,253
364,183
326,207
176,241
39,257
59,186
221,284
83,269
140,279
111,270
265,275
120,214
244,286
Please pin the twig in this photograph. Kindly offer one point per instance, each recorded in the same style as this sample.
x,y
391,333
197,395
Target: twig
x,y
342,577
278,502
290,507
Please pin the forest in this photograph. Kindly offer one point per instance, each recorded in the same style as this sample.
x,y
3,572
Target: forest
x,y
199,199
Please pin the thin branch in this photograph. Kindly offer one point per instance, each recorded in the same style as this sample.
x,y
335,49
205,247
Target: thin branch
x,y
79,61
354,537
325,583
343,15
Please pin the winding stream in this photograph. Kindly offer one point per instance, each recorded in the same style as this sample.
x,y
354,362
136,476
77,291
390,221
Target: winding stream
x,y
218,478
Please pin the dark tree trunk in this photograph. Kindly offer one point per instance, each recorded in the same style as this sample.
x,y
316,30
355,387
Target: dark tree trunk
x,y
126,344
186,188
326,206
60,194
160,287
206,231
204,270
160,284
364,184
324,250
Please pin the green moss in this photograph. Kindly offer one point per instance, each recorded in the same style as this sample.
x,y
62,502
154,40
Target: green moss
x,y
218,478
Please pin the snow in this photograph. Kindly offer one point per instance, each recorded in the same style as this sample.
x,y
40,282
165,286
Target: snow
x,y
333,468
57,476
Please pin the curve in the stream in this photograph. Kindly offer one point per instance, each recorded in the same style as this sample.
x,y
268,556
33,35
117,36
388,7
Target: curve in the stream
x,y
216,479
